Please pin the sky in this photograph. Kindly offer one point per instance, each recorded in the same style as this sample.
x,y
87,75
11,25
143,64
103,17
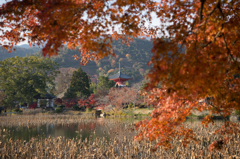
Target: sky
x,y
156,22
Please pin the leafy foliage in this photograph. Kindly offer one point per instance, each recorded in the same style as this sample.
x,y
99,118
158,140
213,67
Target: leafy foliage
x,y
88,102
103,86
69,103
80,82
205,69
33,105
24,77
86,23
118,97
58,101
59,109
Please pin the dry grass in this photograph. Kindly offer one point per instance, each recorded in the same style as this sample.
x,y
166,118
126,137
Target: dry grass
x,y
142,111
32,111
119,146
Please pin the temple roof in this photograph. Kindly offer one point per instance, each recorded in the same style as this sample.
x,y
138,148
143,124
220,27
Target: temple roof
x,y
46,96
119,75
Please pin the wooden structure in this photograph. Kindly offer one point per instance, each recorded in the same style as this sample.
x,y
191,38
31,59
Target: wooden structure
x,y
48,97
120,78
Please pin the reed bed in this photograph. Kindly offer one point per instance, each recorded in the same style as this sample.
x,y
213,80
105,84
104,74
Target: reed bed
x,y
120,145
25,120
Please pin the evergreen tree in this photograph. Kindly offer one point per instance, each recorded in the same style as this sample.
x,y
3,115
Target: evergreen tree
x,y
80,83
103,85
105,82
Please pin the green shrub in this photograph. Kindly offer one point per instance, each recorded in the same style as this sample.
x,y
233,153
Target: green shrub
x,y
62,106
237,112
76,107
16,109
88,110
131,105
119,112
122,112
142,105
59,109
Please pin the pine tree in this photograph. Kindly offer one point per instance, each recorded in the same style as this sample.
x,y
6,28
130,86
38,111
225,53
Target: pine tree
x,y
103,86
80,83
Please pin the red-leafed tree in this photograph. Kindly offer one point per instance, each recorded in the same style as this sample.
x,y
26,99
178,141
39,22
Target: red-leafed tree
x,y
58,101
88,102
33,105
117,97
69,103
73,22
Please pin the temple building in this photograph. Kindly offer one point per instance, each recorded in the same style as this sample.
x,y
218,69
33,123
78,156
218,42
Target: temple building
x,y
120,78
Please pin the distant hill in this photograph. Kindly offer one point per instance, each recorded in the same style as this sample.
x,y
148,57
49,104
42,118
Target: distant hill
x,y
134,59
19,51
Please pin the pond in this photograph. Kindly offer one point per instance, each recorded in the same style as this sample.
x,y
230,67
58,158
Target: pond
x,y
69,127
99,127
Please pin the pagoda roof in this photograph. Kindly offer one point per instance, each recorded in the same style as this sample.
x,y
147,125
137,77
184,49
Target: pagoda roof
x,y
119,75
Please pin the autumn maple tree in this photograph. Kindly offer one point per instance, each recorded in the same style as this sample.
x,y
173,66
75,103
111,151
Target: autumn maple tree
x,y
198,61
84,23
195,50
69,103
88,102
119,97
33,105
58,101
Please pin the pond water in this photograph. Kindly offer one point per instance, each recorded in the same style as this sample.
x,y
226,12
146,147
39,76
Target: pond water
x,y
95,128
99,127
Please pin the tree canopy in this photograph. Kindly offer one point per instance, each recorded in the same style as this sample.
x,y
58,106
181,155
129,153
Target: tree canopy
x,y
195,56
21,78
72,22
80,83
103,86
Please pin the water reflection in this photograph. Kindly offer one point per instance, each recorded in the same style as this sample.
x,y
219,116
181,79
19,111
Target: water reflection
x,y
73,130
99,127
107,128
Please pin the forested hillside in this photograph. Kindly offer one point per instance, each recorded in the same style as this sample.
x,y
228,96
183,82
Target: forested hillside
x,y
133,59
19,51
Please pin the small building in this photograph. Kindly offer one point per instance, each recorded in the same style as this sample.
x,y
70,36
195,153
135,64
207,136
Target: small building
x,y
120,78
48,97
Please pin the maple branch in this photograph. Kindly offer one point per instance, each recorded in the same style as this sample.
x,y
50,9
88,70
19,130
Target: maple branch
x,y
219,8
189,32
219,110
228,50
211,12
201,9
217,35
